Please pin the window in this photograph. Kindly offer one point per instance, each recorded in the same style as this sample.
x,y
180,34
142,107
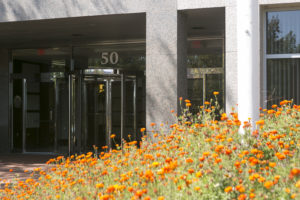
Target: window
x,y
282,56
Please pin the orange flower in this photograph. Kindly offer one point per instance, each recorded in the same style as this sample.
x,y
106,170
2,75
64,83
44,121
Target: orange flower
x,y
228,189
199,174
113,136
272,164
295,171
240,188
242,197
189,160
206,102
143,129
99,185
268,184
188,104
260,122
252,196
215,93
161,198
197,188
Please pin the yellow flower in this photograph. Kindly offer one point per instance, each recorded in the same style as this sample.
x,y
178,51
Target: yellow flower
x,y
268,184
197,188
215,93
113,136
228,189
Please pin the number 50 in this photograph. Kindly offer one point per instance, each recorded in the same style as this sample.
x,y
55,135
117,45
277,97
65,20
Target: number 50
x,y
109,58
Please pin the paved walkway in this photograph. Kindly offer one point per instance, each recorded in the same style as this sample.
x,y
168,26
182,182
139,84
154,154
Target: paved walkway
x,y
18,163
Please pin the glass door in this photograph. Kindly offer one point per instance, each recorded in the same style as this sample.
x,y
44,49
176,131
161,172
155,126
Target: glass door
x,y
202,82
108,107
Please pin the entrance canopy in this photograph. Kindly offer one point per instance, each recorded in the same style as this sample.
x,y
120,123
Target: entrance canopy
x,y
72,31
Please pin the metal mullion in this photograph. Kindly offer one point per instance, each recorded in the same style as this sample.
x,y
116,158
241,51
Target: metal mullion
x,y
134,111
282,56
24,114
108,113
10,100
123,106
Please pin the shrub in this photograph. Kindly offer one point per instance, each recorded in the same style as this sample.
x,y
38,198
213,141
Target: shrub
x,y
199,158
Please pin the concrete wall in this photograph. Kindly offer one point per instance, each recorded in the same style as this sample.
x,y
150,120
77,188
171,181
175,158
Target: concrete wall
x,y
16,10
270,2
166,79
4,122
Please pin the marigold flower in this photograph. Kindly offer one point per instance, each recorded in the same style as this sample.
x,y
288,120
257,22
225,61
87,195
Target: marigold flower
x,y
188,104
113,136
260,122
242,197
161,198
268,184
228,189
143,129
272,164
189,160
240,188
197,188
199,174
252,195
215,93
206,102
99,185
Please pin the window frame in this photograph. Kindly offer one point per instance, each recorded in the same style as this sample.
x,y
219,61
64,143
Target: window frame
x,y
267,56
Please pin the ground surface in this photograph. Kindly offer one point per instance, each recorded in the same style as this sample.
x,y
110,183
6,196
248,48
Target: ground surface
x,y
18,163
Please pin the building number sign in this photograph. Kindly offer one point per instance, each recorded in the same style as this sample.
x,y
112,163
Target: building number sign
x,y
109,58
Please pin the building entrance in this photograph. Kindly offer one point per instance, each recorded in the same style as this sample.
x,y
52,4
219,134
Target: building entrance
x,y
61,104
109,108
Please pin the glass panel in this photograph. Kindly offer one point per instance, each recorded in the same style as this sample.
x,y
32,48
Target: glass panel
x,y
283,80
205,53
129,110
18,114
283,32
62,136
94,111
215,82
205,71
113,56
43,70
116,112
195,93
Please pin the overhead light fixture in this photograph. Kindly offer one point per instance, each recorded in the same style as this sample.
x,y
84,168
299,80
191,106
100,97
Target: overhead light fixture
x,y
77,35
197,28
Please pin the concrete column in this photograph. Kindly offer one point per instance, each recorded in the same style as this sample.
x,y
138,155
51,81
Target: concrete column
x,y
248,58
231,79
166,55
4,137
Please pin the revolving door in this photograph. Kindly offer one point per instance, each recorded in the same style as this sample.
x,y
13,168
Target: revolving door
x,y
108,109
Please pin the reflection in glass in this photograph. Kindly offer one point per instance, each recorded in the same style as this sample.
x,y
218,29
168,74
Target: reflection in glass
x,y
283,80
205,72
114,56
46,98
283,32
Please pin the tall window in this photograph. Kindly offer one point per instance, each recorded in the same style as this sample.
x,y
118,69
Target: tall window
x,y
283,56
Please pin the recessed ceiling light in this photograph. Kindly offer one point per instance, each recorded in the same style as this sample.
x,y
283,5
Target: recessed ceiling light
x,y
197,28
77,35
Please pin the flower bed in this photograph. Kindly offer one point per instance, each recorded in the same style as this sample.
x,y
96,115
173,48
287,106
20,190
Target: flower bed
x,y
200,158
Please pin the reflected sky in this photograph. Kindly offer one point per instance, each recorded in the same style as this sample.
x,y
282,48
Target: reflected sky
x,y
283,32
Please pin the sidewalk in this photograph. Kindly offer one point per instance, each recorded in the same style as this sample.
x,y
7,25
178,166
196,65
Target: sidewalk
x,y
18,163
